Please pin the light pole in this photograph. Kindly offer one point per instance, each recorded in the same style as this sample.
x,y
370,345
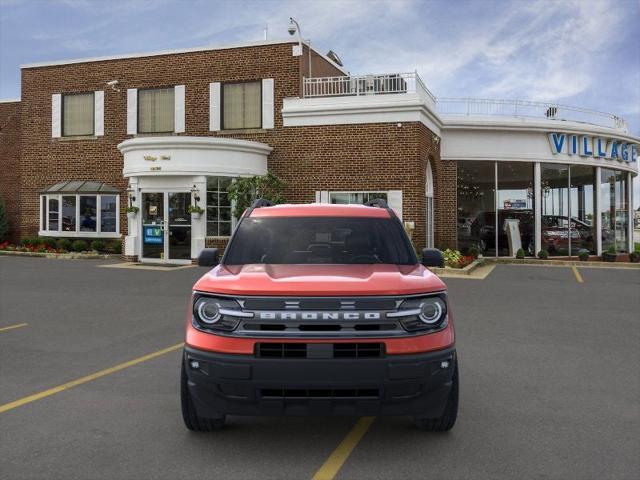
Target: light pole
x,y
294,27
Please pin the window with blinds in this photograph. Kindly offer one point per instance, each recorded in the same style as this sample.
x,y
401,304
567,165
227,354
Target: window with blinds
x,y
241,105
156,110
77,114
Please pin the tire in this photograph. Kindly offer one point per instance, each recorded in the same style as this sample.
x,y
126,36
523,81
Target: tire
x,y
445,422
191,419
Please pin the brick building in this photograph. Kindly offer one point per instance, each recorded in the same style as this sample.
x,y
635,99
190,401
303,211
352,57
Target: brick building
x,y
162,131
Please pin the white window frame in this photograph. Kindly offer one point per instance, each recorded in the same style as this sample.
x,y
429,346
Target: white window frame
x,y
78,233
355,192
95,115
234,220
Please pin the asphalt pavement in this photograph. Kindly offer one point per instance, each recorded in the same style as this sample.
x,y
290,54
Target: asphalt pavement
x,y
549,372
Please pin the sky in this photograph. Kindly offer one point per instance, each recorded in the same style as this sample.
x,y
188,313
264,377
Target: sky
x,y
584,53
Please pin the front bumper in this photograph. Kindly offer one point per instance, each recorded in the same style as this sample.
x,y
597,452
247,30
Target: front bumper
x,y
227,384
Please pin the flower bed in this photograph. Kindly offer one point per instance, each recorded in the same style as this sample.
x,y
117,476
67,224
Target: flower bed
x,y
52,246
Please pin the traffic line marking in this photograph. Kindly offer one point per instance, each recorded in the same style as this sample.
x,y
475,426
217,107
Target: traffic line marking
x,y
11,327
577,274
94,376
333,464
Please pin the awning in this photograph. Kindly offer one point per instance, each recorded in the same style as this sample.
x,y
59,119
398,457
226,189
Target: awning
x,y
81,186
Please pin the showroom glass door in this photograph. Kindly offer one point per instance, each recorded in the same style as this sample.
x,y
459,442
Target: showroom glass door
x,y
153,215
166,227
179,233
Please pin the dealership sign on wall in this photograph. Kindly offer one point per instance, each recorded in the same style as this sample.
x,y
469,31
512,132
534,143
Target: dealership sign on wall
x,y
589,146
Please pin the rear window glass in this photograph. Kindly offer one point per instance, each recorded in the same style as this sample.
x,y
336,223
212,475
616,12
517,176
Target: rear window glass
x,y
320,240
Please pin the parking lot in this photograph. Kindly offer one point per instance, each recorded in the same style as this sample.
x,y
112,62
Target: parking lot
x,y
549,370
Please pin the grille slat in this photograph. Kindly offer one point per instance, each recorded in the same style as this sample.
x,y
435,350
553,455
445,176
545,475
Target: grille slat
x,y
300,350
341,393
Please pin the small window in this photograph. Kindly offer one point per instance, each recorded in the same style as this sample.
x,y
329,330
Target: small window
x,y
358,198
78,114
108,213
242,105
219,221
69,213
156,110
53,213
88,213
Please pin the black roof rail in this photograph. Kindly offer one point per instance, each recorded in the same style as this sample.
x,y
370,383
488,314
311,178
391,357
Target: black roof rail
x,y
381,203
258,203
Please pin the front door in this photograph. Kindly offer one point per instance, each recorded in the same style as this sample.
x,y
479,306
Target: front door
x,y
166,227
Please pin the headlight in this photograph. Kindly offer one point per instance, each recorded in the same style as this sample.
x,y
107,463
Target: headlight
x,y
432,310
208,310
426,313
217,313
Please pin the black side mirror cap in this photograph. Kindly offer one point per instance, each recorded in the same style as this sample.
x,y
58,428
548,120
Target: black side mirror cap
x,y
208,257
432,257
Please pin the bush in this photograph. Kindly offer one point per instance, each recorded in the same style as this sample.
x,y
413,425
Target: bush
x,y
474,252
79,246
452,257
4,222
47,242
115,247
583,255
543,254
97,245
64,244
520,253
611,250
247,189
27,241
634,257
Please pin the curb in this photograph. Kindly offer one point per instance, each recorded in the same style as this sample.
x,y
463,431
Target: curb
x,y
468,270
564,263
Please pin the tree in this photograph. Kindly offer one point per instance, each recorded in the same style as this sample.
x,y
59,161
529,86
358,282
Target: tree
x,y
4,222
247,189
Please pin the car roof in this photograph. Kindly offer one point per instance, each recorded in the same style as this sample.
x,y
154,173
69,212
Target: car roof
x,y
320,210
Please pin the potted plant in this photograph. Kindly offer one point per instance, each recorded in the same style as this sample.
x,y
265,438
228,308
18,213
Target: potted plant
x,y
610,255
131,212
195,211
543,254
583,255
635,255
520,254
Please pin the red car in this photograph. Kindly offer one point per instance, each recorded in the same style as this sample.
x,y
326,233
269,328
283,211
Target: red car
x,y
319,310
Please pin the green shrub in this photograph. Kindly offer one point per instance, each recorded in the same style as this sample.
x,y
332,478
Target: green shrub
x,y
543,254
64,244
611,250
583,255
47,242
115,247
452,257
79,246
27,241
97,245
634,257
520,253
474,251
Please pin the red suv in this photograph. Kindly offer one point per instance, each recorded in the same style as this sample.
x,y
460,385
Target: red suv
x,y
320,310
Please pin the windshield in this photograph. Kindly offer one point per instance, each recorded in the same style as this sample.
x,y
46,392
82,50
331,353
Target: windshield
x,y
320,240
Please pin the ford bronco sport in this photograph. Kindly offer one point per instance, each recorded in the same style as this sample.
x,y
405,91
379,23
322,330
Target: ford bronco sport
x,y
319,310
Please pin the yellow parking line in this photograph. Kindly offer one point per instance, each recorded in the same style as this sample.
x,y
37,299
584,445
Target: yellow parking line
x,y
11,327
88,378
330,468
577,274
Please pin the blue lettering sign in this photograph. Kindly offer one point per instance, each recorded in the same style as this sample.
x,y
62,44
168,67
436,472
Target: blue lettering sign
x,y
601,150
634,153
152,235
586,147
624,153
557,142
614,150
573,148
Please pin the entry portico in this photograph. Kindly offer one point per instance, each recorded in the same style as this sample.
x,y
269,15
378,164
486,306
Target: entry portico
x,y
167,174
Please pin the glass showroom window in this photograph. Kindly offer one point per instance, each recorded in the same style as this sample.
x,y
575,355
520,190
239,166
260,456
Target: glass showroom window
x,y
477,206
156,110
515,207
219,221
77,114
554,181
348,198
581,204
80,215
614,209
241,105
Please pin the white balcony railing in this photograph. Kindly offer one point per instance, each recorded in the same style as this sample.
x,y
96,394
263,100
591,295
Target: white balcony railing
x,y
525,108
402,83
357,85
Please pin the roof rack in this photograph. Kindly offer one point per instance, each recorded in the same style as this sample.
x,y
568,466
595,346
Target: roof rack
x,y
258,203
381,203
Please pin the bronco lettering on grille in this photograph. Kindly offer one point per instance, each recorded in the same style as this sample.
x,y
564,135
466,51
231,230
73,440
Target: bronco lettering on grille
x,y
319,315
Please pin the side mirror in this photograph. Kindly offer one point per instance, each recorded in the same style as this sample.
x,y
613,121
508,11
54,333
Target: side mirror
x,y
208,257
432,257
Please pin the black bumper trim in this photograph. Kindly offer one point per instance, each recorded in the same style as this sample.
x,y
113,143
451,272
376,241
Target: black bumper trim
x,y
413,384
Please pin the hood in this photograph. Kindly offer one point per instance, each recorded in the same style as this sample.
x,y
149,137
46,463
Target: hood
x,y
319,280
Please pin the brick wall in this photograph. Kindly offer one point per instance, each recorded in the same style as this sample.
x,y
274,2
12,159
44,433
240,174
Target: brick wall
x,y
340,157
10,164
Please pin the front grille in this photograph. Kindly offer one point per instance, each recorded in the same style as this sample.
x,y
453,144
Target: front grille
x,y
320,350
320,393
320,304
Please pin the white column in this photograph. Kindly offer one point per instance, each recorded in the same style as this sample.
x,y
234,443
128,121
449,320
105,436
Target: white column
x,y
199,226
537,207
630,211
132,242
598,213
